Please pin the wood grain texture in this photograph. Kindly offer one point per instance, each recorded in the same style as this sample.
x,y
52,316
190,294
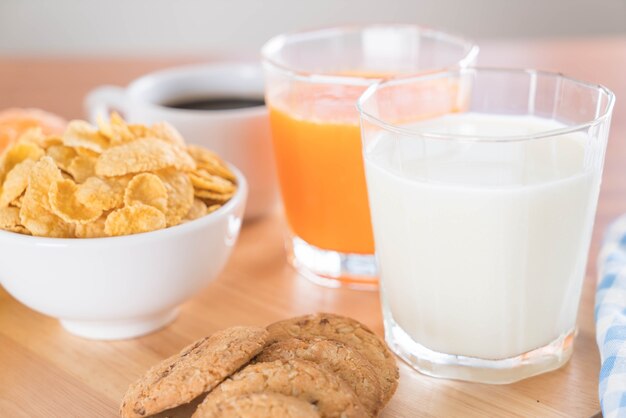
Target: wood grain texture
x,y
45,372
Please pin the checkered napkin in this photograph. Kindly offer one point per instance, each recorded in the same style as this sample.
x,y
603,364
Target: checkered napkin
x,y
611,320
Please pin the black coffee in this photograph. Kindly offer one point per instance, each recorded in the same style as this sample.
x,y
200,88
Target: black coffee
x,y
216,103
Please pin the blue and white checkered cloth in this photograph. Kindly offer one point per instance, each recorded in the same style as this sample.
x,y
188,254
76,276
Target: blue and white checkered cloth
x,y
611,320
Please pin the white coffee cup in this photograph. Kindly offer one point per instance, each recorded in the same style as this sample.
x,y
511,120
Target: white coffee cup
x,y
241,136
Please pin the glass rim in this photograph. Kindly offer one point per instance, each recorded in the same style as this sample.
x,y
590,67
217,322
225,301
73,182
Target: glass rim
x,y
372,89
275,44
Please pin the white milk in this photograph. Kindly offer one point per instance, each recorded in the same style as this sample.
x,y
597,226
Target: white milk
x,y
482,246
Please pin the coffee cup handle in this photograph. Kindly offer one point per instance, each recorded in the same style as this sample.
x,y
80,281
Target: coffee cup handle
x,y
102,100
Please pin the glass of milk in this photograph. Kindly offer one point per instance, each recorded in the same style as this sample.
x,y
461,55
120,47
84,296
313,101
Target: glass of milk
x,y
483,187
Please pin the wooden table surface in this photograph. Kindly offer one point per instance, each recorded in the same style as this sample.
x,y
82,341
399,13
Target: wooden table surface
x,y
46,372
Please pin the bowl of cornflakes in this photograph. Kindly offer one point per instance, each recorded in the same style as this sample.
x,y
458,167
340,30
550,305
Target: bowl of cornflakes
x,y
110,228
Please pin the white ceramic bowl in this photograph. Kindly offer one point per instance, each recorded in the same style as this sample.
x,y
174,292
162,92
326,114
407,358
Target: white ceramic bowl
x,y
120,287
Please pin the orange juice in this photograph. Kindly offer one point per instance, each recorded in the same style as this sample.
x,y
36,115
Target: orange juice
x,y
322,179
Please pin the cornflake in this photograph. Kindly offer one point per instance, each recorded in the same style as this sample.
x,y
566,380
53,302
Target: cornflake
x,y
180,193
15,182
100,195
197,210
147,189
134,220
65,204
10,220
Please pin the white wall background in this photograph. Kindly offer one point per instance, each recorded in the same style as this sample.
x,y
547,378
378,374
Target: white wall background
x,y
220,27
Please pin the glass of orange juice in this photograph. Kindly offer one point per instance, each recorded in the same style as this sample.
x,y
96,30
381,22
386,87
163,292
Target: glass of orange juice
x,y
313,80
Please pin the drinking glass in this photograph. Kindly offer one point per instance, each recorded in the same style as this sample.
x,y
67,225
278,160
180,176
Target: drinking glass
x,y
313,80
482,205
